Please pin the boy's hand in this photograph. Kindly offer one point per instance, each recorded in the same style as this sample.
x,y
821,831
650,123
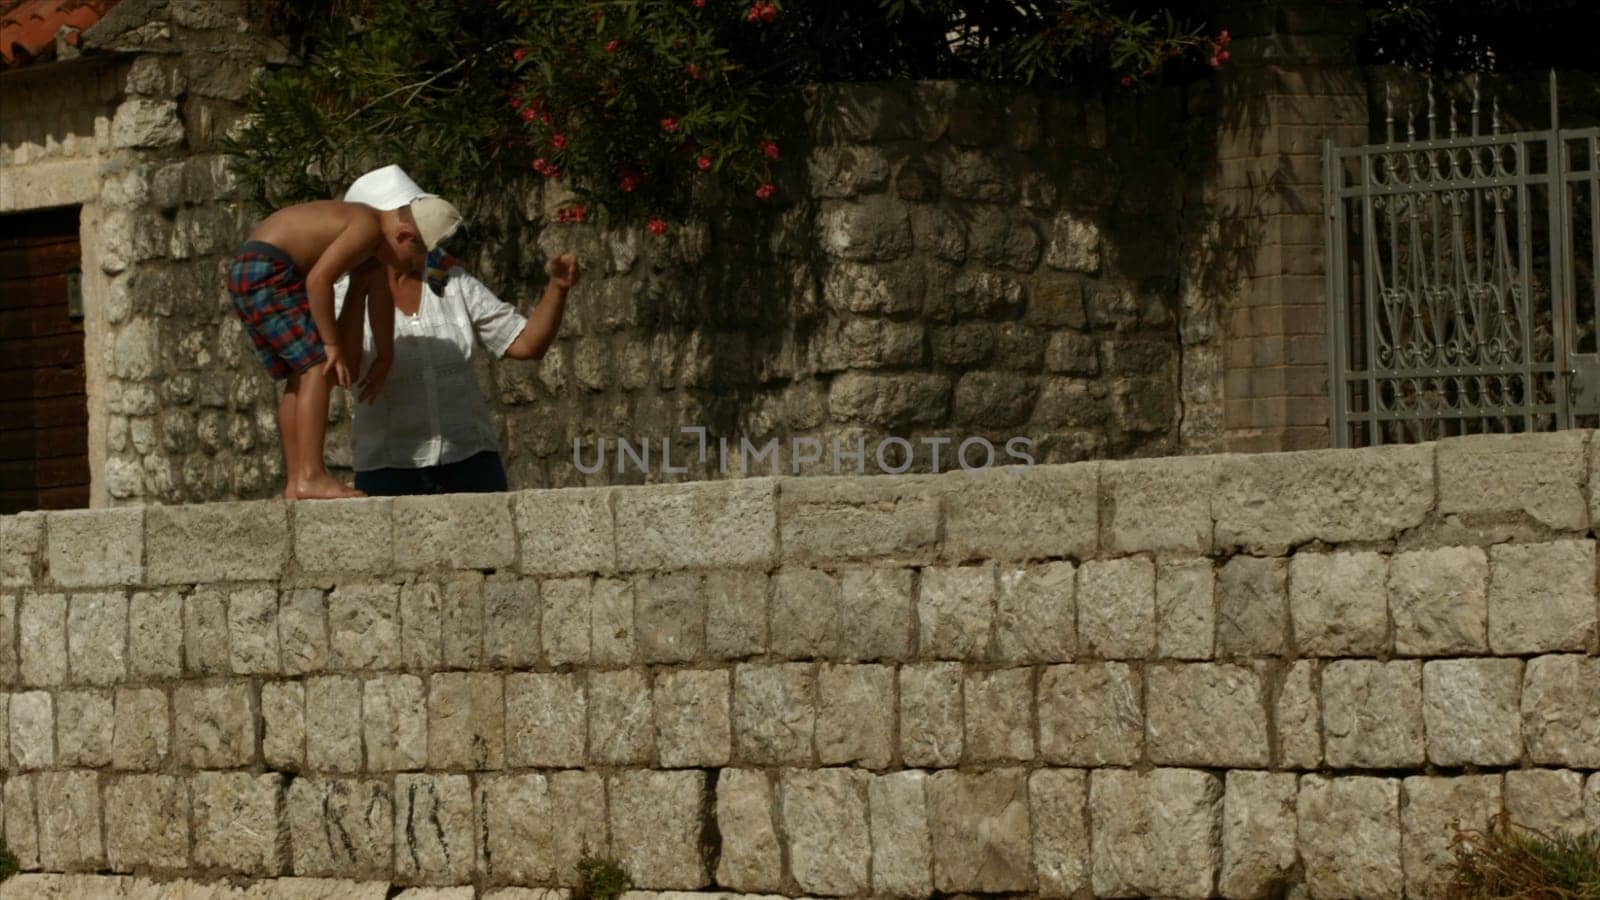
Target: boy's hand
x,y
372,382
564,271
336,368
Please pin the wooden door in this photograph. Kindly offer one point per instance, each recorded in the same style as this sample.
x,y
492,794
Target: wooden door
x,y
44,411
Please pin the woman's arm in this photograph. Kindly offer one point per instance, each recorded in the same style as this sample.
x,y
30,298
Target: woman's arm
x,y
542,326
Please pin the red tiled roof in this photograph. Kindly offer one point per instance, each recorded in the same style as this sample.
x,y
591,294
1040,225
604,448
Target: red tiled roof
x,y
28,27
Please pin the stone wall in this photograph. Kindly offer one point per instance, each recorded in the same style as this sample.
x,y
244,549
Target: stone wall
x,y
1177,677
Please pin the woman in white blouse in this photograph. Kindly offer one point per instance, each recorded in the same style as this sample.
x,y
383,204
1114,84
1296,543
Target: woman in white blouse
x,y
428,430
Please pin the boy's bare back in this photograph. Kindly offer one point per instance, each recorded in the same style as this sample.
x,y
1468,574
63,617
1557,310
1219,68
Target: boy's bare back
x,y
307,231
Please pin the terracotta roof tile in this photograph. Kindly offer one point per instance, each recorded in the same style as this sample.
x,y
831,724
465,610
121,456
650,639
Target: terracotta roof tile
x,y
28,27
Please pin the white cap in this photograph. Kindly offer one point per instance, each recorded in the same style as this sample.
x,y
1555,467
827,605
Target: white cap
x,y
386,188
436,220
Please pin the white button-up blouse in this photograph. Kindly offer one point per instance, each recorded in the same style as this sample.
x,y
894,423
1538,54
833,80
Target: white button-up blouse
x,y
431,411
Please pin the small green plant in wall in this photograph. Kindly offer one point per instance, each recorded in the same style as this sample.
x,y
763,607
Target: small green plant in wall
x,y
1508,860
601,879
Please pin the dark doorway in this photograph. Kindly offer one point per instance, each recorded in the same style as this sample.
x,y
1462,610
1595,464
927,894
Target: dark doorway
x,y
44,410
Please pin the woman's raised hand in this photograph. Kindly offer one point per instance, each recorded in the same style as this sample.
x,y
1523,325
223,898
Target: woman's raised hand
x,y
564,270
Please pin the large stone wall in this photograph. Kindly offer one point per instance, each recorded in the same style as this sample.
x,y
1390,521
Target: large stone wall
x,y
1176,677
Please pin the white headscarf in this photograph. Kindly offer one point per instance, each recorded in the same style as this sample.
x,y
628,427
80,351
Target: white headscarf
x,y
386,188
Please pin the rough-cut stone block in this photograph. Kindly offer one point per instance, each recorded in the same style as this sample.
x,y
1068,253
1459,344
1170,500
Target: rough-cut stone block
x,y
8,639
855,715
1018,514
805,620
1350,836
236,822
1469,710
669,616
433,830
1337,603
1560,710
545,720
1434,809
96,548
461,622
999,716
655,827
1186,610
215,727
216,542
84,723
344,537
97,627
341,827
1298,718
139,731
21,825
697,525
567,626
1269,503
69,820
752,858
1156,833
825,821
1548,800
1253,607
1258,833
566,532
1495,476
1211,715
578,801
511,612
155,635
736,614
1439,601
1037,614
395,722
955,612
21,549
364,627
421,624
980,831
693,727
1372,714
466,721
283,724
612,635
333,724
1117,608
931,726
517,829
147,823
1058,801
302,636
253,631
875,614
454,531
1541,597
1160,505
32,730
831,519
902,855
42,639
774,713
205,632
621,718
1090,715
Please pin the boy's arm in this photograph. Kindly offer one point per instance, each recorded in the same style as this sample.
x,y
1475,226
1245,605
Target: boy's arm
x,y
380,312
354,245
542,326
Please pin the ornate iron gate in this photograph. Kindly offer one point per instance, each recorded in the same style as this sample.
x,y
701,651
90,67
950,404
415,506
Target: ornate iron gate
x,y
1461,279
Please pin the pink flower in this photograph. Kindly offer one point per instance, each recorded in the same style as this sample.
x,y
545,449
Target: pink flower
x,y
558,141
692,72
516,102
518,54
704,163
669,124
574,213
1224,56
1224,37
699,3
761,11
543,167
1127,81
766,190
770,149
657,226
527,114
611,47
629,178
1216,62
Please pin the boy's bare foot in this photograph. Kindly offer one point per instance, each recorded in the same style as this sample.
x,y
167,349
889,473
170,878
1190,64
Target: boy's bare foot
x,y
324,488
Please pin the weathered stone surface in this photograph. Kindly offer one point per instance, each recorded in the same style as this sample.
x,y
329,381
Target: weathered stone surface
x,y
364,627
253,631
697,525
999,716
454,531
341,827
69,820
1560,710
216,542
1074,244
1439,602
139,731
669,615
736,614
147,823
1253,607
1090,715
1159,505
931,727
1469,710
955,609
421,623
215,727
8,639
433,833
155,634
655,827
21,826
283,723
831,519
1547,800
612,634
42,639
1540,476
578,800
566,532
902,854
1258,833
855,715
1270,503
461,622
881,399
1541,597
1186,610
395,722
84,724
875,612
1372,714
1434,809
874,228
466,721
1058,801
693,728
774,713
1117,608
1211,715
96,548
568,626
546,720
825,820
1337,603
205,632
21,548
517,828
1298,718
805,614
1036,614
1156,833
346,537
333,724
141,123
511,613
1350,836
621,718
236,822
32,730
981,835
752,858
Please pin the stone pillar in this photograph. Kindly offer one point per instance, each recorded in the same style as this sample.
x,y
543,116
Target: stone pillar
x,y
1292,82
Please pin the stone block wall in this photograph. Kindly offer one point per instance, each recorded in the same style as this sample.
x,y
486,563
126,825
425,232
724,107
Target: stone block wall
x,y
1180,677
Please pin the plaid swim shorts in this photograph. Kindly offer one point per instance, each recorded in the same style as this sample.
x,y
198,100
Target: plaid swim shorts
x,y
269,294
